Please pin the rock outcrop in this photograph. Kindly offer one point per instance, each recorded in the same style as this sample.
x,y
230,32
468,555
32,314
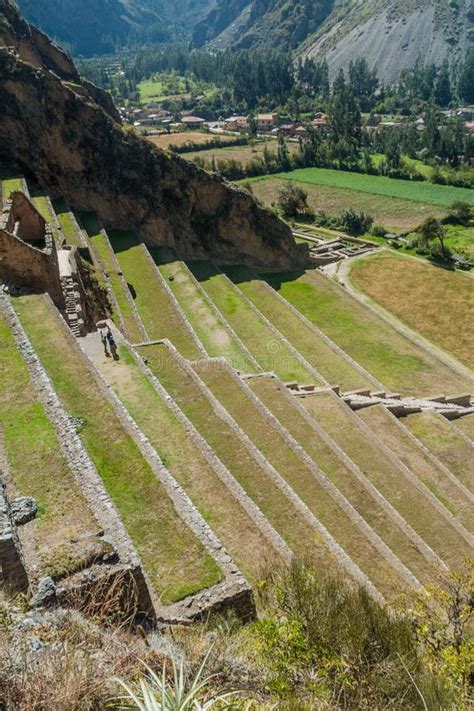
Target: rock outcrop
x,y
62,133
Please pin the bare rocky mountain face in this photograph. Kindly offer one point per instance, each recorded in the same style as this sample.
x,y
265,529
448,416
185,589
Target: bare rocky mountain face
x,y
390,34
62,133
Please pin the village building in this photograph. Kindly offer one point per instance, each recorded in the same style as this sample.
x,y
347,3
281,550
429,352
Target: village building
x,y
236,123
265,122
193,121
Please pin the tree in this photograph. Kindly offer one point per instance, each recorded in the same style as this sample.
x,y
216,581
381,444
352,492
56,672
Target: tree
x,y
442,90
356,223
466,79
432,229
460,213
292,200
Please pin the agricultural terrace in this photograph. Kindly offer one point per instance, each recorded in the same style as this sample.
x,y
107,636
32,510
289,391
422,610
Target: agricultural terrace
x,y
179,139
389,356
9,186
168,86
435,302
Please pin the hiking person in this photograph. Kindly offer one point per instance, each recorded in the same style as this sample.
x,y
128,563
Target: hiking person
x,y
112,344
103,338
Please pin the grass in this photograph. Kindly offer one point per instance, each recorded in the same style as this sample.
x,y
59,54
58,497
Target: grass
x,y
101,245
427,193
67,224
466,425
156,309
394,213
330,364
11,185
38,468
303,482
42,205
424,297
280,512
417,511
394,360
211,330
271,352
395,437
445,443
237,531
175,561
278,401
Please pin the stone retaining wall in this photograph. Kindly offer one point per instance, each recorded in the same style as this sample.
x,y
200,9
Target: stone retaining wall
x,y
12,570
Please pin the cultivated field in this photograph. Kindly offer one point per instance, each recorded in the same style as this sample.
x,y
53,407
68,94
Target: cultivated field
x,y
435,302
178,139
392,212
241,154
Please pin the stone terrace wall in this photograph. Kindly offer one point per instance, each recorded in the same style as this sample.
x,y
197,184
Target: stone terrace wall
x,y
12,571
27,266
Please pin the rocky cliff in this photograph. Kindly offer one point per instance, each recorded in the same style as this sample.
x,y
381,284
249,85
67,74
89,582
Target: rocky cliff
x,y
61,133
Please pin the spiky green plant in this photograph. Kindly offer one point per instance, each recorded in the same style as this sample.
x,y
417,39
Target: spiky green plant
x,y
156,693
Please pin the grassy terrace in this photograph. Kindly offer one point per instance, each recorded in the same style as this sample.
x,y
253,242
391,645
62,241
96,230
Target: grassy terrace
x,y
10,185
184,459
466,425
394,360
418,511
38,468
176,562
101,244
213,333
42,205
271,353
69,229
396,438
280,512
332,366
430,298
275,397
154,305
302,480
443,441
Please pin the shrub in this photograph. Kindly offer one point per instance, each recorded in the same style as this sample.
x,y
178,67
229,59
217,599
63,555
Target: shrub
x,y
460,213
356,223
292,200
379,230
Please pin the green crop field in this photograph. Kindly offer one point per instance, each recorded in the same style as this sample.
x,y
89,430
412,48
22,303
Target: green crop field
x,y
441,195
392,212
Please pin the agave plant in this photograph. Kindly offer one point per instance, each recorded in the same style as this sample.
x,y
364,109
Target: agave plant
x,y
156,693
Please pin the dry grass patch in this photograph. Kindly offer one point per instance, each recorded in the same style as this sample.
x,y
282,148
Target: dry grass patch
x,y
466,425
400,442
271,352
418,511
178,139
330,364
38,468
435,302
444,442
175,561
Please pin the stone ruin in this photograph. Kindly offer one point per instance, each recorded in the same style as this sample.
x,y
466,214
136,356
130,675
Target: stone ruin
x,y
32,261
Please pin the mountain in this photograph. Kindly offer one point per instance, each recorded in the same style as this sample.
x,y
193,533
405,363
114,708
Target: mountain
x,y
63,134
100,26
390,34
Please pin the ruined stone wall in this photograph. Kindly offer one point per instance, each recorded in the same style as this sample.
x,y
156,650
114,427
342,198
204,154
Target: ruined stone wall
x,y
29,267
12,571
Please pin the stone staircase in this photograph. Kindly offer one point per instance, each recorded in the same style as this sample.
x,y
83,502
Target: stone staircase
x,y
73,306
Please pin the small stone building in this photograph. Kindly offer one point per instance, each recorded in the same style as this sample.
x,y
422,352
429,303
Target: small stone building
x,y
28,254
